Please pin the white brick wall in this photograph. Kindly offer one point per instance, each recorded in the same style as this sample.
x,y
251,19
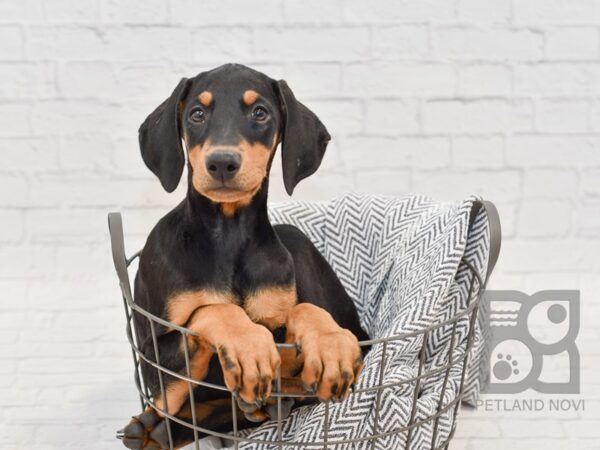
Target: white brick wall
x,y
444,97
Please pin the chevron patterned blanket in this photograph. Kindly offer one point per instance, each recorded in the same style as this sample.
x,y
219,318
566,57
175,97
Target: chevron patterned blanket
x,y
401,261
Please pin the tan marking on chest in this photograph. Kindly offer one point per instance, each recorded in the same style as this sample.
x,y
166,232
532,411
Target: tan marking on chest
x,y
180,306
270,306
230,208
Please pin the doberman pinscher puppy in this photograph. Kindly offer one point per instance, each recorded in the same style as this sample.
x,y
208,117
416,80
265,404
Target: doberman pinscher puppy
x,y
215,264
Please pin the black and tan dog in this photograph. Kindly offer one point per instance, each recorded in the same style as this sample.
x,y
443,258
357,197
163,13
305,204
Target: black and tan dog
x,y
216,265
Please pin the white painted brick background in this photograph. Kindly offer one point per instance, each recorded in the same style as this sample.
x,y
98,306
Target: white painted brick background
x,y
443,97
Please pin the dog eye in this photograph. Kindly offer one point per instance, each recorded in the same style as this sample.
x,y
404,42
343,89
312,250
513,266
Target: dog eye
x,y
260,114
197,115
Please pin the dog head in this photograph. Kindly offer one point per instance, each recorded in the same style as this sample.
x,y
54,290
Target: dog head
x,y
231,120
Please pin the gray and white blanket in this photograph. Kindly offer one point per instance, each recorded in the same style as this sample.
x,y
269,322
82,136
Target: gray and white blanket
x,y
402,262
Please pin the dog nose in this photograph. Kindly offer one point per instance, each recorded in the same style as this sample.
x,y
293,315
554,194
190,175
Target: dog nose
x,y
223,165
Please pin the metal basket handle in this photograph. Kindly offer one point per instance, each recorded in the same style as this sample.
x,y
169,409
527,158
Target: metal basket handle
x,y
495,231
117,243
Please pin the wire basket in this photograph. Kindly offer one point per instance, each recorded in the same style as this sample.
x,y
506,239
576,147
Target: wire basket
x,y
457,360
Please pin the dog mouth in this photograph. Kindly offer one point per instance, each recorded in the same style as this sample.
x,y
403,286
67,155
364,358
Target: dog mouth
x,y
224,193
225,189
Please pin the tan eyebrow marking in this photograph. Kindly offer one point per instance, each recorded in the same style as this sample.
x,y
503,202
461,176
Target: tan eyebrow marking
x,y
205,98
249,97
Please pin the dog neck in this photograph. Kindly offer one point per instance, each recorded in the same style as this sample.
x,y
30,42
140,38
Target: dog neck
x,y
217,220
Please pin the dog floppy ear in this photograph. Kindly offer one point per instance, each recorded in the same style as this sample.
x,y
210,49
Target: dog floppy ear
x,y
304,139
160,139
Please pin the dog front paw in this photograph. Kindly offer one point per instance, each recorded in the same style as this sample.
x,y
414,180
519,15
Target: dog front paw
x,y
246,351
249,359
331,356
